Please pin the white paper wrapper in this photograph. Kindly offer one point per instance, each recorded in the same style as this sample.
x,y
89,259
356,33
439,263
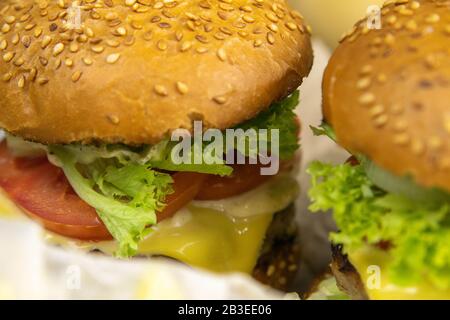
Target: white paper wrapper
x,y
30,268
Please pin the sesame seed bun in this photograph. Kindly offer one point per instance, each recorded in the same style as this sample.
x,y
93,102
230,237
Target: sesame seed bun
x,y
387,91
136,70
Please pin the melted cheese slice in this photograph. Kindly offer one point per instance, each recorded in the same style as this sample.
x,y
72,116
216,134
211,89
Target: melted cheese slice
x,y
220,236
364,259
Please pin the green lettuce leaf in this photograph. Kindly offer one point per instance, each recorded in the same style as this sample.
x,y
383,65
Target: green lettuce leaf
x,y
324,130
418,232
162,160
280,116
126,197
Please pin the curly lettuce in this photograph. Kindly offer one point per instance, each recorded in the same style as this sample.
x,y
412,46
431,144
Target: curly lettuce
x,y
418,232
281,116
125,196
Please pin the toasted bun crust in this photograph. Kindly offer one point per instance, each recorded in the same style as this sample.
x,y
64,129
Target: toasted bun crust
x,y
387,91
136,70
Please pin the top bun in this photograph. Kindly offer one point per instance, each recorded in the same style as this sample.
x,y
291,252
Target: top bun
x,y
387,91
134,70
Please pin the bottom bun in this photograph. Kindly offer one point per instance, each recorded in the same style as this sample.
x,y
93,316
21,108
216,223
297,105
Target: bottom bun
x,y
278,262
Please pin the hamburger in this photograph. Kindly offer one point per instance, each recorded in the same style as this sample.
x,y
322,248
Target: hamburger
x,y
386,100
92,93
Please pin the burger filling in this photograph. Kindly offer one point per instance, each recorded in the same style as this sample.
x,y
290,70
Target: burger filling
x,y
390,227
211,215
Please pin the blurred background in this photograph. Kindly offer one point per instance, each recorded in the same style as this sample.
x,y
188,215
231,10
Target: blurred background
x,y
330,19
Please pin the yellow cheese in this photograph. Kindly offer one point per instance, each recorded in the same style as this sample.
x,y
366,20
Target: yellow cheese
x,y
199,237
372,264
210,239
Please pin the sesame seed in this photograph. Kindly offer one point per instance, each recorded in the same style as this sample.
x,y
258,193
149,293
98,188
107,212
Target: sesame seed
x,y
89,32
248,19
97,49
381,78
113,119
220,99
112,58
30,26
367,99
111,16
121,31
433,18
161,90
376,110
7,77
381,120
87,61
363,83
162,45
58,63
182,87
68,62
401,139
415,5
26,41
112,43
400,125
76,76
5,28
367,69
291,26
19,61
411,25
3,44
10,19
389,39
7,57
42,80
15,39
272,17
257,43
58,48
43,61
221,53
21,82
32,75
202,50
270,38
74,47
186,45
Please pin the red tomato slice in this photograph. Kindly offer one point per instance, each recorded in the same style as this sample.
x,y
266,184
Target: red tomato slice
x,y
44,193
186,186
245,177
